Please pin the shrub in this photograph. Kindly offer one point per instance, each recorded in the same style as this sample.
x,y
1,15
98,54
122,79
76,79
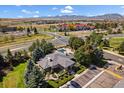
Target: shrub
x,y
60,82
65,80
2,74
80,70
53,83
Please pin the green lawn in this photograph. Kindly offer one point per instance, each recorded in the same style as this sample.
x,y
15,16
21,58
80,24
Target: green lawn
x,y
114,44
14,79
115,41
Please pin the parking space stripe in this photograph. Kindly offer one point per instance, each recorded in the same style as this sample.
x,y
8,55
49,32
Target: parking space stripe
x,y
92,80
114,74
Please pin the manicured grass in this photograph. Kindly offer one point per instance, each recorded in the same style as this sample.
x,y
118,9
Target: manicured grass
x,y
114,44
23,39
14,79
116,41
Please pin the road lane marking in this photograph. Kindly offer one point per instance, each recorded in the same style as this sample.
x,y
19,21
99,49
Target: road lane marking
x,y
114,74
92,80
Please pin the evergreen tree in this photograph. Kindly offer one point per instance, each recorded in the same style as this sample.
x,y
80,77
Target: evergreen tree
x,y
35,30
46,47
25,54
32,47
28,31
17,58
49,48
37,43
37,54
1,61
9,58
34,76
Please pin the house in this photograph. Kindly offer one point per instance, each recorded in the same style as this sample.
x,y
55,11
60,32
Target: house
x,y
75,27
56,60
7,29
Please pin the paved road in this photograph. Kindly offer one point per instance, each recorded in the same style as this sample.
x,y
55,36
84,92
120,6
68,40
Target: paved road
x,y
61,40
115,35
114,57
58,40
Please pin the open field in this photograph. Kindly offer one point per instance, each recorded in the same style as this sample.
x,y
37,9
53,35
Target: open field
x,y
21,39
14,79
77,33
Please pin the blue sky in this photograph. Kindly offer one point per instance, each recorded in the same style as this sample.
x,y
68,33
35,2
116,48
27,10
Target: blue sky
x,y
13,11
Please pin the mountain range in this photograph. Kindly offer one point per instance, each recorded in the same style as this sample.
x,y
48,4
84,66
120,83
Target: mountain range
x,y
113,16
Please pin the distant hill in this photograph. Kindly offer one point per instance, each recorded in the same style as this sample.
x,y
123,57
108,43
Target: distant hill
x,y
113,16
109,16
71,17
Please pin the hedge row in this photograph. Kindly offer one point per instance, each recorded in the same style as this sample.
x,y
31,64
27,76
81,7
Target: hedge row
x,y
60,82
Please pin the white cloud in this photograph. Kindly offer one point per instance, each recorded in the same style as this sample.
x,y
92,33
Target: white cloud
x,y
67,9
49,15
18,5
37,12
54,8
122,6
20,16
30,12
36,16
26,11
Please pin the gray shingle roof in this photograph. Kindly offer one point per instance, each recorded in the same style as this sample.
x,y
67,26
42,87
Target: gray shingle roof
x,y
57,58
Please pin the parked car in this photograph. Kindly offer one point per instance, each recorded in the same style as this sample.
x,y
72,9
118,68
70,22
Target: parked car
x,y
92,67
70,86
106,65
74,84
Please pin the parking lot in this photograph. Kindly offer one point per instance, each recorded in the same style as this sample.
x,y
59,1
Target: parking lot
x,y
99,78
104,81
109,78
84,79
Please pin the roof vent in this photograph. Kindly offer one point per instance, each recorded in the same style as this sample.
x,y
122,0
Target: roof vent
x,y
49,59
